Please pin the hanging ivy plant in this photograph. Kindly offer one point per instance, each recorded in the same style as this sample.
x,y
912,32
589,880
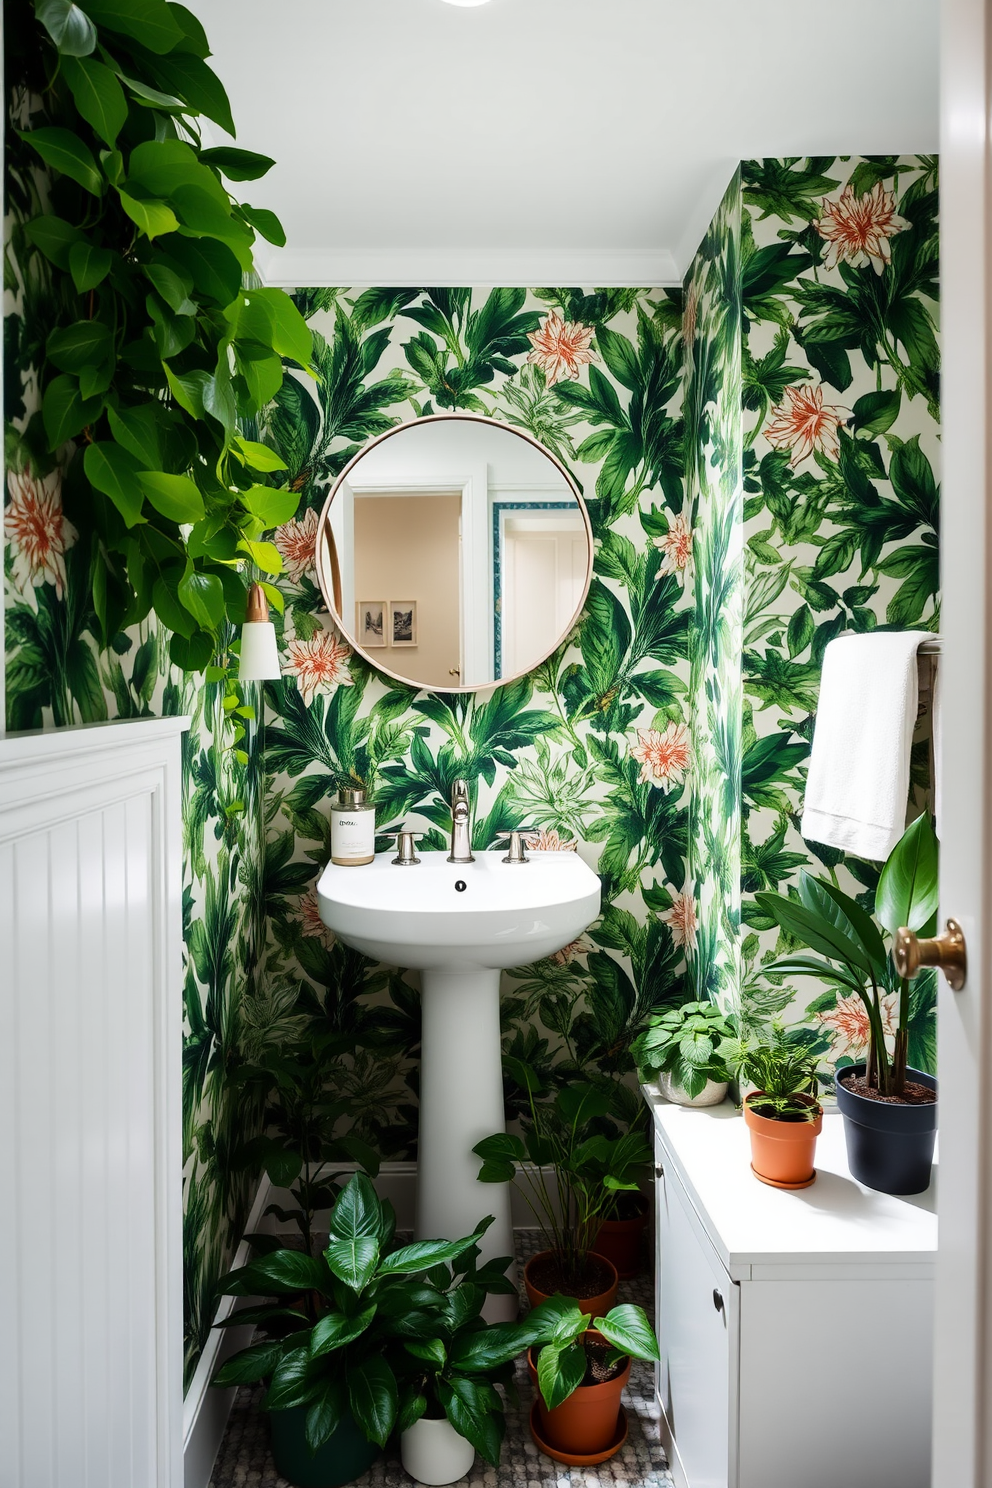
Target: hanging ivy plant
x,y
155,356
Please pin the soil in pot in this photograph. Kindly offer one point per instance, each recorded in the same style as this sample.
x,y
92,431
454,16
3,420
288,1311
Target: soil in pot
x,y
782,1150
620,1239
596,1290
890,1142
341,1460
586,1422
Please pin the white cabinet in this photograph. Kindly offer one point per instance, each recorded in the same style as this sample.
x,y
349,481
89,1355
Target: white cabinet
x,y
795,1328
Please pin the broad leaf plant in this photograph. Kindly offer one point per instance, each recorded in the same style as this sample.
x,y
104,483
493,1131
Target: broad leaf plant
x,y
156,355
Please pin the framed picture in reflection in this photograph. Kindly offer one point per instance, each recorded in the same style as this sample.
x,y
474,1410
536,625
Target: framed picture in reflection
x,y
370,623
402,622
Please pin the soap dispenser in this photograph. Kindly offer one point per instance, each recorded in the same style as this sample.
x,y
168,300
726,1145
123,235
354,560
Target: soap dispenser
x,y
352,829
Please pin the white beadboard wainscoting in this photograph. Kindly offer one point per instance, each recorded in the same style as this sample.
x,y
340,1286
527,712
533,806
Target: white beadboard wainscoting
x,y
91,1312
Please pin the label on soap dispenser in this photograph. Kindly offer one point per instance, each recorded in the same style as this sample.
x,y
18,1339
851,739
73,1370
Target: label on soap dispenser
x,y
352,835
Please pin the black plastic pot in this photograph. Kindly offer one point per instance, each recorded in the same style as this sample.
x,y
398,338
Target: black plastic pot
x,y
889,1147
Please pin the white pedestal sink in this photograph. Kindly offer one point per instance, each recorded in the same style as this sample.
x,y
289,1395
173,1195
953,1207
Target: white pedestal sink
x,y
460,924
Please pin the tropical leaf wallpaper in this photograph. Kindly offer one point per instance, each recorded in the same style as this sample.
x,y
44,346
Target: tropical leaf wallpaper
x,y
592,749
666,740
830,268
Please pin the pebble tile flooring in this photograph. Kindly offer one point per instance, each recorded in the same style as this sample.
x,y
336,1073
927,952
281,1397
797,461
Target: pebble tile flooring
x,y
244,1460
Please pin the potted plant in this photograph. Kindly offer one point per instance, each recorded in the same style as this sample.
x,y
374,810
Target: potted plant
x,y
336,1358
681,1048
569,1173
782,1113
889,1108
580,1363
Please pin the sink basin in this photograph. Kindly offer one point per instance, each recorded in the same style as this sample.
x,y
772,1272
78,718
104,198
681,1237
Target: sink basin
x,y
460,924
487,914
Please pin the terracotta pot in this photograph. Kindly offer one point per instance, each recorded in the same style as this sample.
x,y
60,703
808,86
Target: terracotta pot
x,y
595,1306
620,1241
587,1422
782,1151
712,1093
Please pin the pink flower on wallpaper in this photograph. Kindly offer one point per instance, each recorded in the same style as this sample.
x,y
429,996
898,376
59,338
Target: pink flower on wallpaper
x,y
321,662
568,953
663,757
802,423
675,547
682,919
548,840
297,542
561,347
847,1023
308,914
36,530
858,228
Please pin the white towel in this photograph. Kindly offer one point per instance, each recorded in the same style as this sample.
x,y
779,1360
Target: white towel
x,y
858,785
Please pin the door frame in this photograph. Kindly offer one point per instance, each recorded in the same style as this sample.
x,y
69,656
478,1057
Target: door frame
x,y
962,1453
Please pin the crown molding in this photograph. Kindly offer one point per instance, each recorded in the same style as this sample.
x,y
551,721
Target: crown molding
x,y
605,268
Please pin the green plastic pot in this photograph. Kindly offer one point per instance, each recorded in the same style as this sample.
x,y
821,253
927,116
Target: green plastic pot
x,y
340,1460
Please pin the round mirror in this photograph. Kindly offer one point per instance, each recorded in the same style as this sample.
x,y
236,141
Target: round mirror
x,y
454,552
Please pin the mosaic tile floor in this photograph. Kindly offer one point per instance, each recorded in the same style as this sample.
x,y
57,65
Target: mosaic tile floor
x,y
244,1460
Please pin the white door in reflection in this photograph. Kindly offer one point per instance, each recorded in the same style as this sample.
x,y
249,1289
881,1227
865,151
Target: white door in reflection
x,y
543,559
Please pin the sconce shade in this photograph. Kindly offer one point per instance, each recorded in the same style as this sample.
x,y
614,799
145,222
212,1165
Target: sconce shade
x,y
259,652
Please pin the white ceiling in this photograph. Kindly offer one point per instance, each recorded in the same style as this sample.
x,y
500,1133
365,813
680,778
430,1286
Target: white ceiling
x,y
548,141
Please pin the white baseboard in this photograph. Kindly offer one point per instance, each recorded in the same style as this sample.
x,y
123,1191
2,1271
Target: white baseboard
x,y
205,1410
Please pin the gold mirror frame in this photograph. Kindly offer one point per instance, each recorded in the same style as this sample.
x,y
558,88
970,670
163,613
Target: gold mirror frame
x,y
328,569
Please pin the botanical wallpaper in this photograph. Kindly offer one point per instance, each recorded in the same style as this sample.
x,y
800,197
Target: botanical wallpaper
x,y
836,264
592,749
56,675
666,741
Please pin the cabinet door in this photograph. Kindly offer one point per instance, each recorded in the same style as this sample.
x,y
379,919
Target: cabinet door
x,y
699,1311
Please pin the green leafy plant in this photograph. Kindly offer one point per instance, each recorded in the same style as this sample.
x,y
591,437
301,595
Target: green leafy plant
x,y
685,1043
783,1071
152,356
558,1327
570,1173
372,1331
850,952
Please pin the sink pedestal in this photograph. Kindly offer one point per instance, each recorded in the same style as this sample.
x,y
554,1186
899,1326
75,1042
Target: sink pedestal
x,y
461,1101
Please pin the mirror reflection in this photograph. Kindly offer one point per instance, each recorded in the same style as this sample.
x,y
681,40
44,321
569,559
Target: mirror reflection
x,y
455,552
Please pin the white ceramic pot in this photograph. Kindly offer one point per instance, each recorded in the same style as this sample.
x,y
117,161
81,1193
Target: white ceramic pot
x,y
713,1092
433,1452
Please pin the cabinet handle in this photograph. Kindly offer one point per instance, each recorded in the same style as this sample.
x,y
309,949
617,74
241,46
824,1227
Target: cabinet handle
x,y
718,1303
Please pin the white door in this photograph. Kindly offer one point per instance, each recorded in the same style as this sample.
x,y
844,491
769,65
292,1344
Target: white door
x,y
963,1332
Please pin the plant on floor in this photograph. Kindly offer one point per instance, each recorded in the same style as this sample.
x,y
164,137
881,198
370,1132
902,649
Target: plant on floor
x,y
339,1332
685,1043
569,1172
153,356
850,952
559,1328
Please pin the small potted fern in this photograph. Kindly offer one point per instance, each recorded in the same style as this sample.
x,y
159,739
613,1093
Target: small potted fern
x,y
782,1113
681,1047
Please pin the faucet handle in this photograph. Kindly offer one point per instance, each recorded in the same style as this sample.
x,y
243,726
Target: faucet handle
x,y
516,853
406,856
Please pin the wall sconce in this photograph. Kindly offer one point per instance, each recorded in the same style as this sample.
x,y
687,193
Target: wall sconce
x,y
259,653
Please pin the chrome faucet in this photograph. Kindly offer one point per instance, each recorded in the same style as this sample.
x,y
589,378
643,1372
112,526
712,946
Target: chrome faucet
x,y
461,836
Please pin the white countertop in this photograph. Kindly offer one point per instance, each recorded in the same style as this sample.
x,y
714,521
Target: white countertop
x,y
836,1221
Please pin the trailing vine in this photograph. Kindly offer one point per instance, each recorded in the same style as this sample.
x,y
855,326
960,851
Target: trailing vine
x,y
152,357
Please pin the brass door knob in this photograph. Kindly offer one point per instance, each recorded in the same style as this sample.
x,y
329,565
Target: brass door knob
x,y
946,951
